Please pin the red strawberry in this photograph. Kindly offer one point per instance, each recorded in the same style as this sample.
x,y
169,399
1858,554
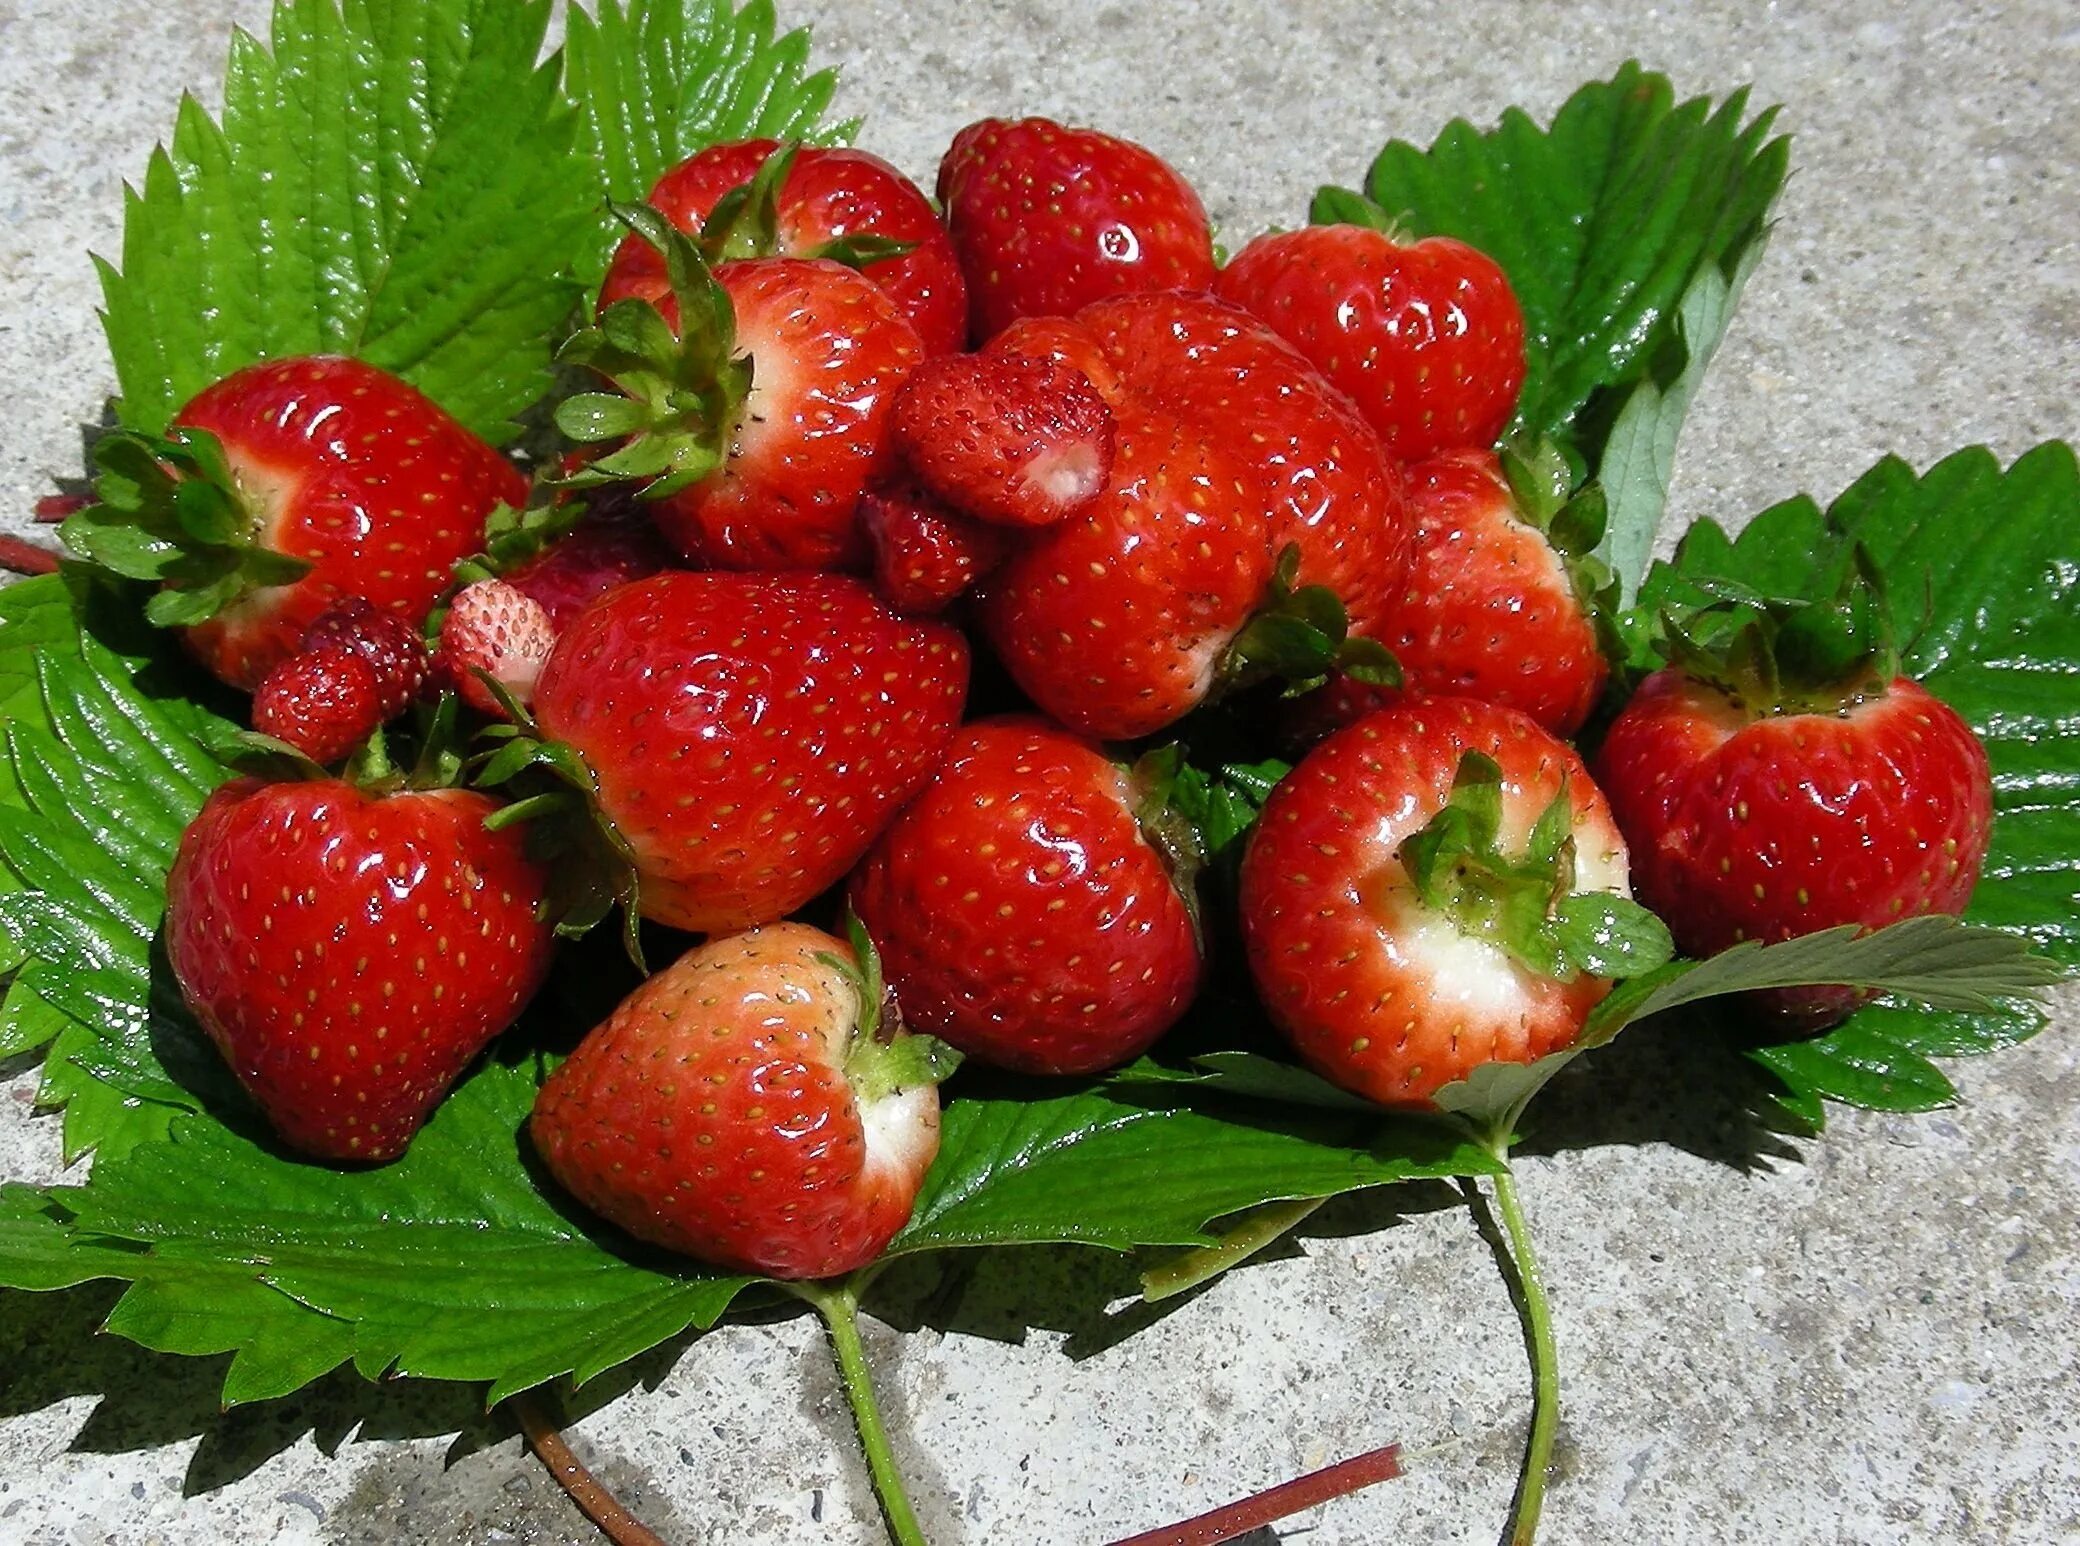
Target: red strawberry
x,y
925,554
746,1106
336,480
350,952
1014,441
1758,819
1411,913
1022,913
393,649
611,546
749,735
324,702
1426,337
494,627
1229,447
827,195
1048,219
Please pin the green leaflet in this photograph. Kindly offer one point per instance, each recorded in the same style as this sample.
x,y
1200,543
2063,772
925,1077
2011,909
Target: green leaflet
x,y
657,80
1627,228
1983,567
393,179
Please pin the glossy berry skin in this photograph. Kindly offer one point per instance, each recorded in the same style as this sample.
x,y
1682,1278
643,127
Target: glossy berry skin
x,y
829,192
1427,338
1377,992
1228,446
1021,913
612,546
1012,441
1764,827
495,628
829,349
750,734
711,1114
324,702
350,953
392,648
925,555
348,467
1047,219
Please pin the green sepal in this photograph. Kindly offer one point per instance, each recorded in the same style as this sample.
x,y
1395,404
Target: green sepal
x,y
1341,206
858,249
1299,635
883,1058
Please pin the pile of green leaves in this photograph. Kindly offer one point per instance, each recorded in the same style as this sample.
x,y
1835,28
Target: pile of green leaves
x,y
410,181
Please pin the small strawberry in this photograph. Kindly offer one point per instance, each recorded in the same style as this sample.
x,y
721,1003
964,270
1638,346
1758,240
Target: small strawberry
x,y
1770,789
392,648
324,702
748,735
495,628
1013,441
1426,337
753,1105
1047,219
759,199
1023,913
281,492
925,554
1436,887
755,403
350,951
613,545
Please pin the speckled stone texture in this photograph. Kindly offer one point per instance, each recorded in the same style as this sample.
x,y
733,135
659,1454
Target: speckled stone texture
x,y
1870,1337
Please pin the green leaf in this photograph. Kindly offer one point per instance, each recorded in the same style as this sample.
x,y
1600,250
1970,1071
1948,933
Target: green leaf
x,y
1627,228
1983,567
394,180
656,80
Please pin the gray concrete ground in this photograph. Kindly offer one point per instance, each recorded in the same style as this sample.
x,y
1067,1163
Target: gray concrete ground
x,y
1870,1337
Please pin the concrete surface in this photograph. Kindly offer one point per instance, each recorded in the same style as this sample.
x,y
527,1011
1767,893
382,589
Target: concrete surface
x,y
1871,1337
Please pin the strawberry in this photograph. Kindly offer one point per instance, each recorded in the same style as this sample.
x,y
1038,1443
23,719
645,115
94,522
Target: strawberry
x,y
925,554
1022,912
748,735
1229,450
811,202
324,702
756,406
610,546
301,483
1757,812
1426,337
392,648
754,1105
1013,441
1047,219
1436,887
350,951
495,628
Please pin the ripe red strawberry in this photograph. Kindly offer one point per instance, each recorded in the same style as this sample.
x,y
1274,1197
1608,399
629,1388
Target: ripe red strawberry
x,y
1426,337
779,418
1758,819
494,627
324,702
748,1106
1411,912
350,952
1048,219
827,196
925,554
1022,912
334,480
611,546
748,735
1228,448
392,648
1014,441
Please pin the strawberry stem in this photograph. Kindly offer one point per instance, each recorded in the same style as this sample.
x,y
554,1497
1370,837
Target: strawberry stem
x,y
586,1490
1266,1508
1528,1291
1257,1229
838,1304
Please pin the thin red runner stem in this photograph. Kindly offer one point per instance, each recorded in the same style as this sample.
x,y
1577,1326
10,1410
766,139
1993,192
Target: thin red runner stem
x,y
1276,1503
53,508
25,557
586,1490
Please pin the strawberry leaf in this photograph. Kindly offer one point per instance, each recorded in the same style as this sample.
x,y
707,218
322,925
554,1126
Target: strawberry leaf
x,y
393,179
1627,228
1983,567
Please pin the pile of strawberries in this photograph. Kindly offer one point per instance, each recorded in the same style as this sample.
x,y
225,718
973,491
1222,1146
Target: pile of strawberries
x,y
723,657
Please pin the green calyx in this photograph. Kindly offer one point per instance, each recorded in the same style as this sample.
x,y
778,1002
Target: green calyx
x,y
1773,655
745,223
439,763
882,1058
1550,495
1299,635
1526,904
170,511
1340,206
